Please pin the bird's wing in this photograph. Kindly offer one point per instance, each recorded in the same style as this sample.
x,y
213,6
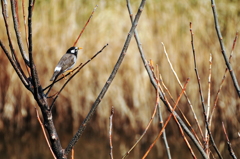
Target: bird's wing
x,y
66,62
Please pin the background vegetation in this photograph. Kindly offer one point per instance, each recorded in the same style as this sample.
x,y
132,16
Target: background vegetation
x,y
56,25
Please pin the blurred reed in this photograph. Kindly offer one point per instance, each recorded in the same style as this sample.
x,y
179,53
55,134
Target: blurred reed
x,y
56,25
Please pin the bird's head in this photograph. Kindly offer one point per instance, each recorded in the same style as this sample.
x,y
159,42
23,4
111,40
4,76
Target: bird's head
x,y
73,50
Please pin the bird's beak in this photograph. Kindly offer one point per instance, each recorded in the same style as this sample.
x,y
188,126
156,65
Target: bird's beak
x,y
80,48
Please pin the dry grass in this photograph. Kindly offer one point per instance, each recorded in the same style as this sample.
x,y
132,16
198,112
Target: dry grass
x,y
56,25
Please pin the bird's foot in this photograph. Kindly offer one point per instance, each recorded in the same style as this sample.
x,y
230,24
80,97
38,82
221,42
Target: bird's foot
x,y
64,76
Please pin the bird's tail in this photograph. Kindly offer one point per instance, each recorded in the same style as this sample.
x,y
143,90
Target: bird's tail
x,y
55,75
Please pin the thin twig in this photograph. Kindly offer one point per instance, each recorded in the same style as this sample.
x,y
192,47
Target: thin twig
x,y
25,23
167,121
164,132
142,54
34,75
110,133
208,106
5,17
196,71
223,79
109,81
231,152
209,87
14,61
201,96
85,26
80,66
44,133
181,131
57,80
26,38
16,68
72,156
185,139
147,127
183,135
220,39
161,119
197,75
184,117
17,32
185,94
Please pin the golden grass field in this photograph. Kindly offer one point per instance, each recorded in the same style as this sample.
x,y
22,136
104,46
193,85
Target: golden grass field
x,y
56,25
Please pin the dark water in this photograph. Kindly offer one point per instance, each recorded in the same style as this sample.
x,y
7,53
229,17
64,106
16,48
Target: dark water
x,y
31,144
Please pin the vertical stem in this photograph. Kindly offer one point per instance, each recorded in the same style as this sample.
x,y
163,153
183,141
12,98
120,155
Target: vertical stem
x,y
219,34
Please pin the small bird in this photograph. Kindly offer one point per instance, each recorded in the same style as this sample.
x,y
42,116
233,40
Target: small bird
x,y
66,62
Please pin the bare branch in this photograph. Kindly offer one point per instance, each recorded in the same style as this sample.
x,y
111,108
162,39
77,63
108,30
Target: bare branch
x,y
220,39
110,133
167,121
109,81
161,123
5,17
57,80
201,96
39,95
25,23
34,74
12,59
16,68
223,79
157,100
18,34
229,143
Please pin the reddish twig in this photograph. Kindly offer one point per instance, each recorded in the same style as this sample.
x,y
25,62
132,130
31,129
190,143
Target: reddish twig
x,y
25,23
223,79
85,26
167,121
72,155
148,125
185,94
229,143
185,139
184,117
44,133
180,128
17,31
160,118
14,58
